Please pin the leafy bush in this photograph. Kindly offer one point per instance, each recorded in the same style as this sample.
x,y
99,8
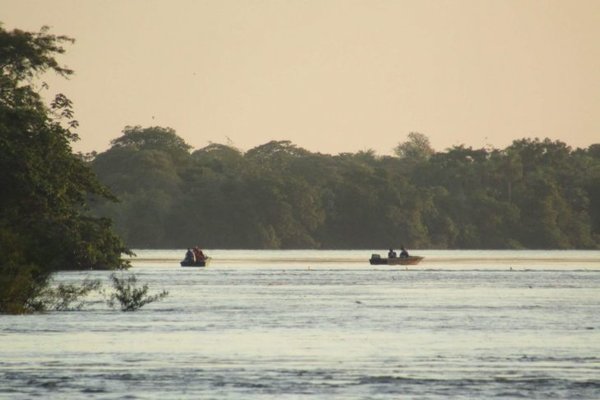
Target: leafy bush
x,y
20,285
65,297
129,296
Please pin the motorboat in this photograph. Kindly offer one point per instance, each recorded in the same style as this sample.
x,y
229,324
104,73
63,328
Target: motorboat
x,y
376,259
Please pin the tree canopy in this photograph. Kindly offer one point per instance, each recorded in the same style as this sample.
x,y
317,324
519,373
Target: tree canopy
x,y
532,194
45,224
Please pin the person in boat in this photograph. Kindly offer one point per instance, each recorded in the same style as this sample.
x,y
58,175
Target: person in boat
x,y
198,254
403,252
391,253
189,256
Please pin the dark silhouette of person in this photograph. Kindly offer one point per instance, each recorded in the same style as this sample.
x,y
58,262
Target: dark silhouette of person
x,y
403,252
189,256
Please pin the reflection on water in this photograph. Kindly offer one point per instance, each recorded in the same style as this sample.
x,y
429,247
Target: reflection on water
x,y
323,324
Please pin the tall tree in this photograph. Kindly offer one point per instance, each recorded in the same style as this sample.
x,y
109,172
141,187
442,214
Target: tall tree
x,y
44,223
143,167
417,148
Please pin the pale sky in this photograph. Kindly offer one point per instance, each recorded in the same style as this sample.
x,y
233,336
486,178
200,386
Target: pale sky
x,y
330,75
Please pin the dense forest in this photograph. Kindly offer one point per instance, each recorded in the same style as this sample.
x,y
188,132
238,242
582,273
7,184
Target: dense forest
x,y
532,194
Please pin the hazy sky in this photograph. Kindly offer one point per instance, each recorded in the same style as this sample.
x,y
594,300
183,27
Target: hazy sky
x,y
329,75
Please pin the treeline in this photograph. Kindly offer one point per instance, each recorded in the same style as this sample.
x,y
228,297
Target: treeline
x,y
532,194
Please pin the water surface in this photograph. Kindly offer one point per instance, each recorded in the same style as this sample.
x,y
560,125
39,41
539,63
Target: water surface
x,y
323,324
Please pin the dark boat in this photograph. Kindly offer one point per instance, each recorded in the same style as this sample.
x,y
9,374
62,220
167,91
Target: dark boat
x,y
376,259
199,263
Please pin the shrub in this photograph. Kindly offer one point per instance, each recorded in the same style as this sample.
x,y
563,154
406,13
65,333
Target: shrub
x,y
129,296
65,296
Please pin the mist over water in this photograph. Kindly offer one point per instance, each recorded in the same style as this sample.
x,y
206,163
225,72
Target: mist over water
x,y
323,324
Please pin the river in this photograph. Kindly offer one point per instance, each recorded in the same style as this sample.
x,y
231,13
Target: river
x,y
309,324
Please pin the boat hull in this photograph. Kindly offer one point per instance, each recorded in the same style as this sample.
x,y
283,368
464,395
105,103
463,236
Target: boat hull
x,y
201,263
411,260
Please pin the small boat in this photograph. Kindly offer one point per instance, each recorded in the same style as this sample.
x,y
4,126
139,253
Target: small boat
x,y
376,259
198,263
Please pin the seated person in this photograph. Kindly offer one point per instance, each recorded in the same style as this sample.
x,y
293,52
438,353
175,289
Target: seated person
x,y
391,253
198,254
189,256
403,253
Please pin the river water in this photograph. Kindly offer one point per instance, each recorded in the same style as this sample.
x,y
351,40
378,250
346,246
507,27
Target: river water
x,y
323,324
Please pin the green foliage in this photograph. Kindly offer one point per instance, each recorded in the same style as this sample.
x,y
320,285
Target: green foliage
x,y
416,149
157,138
64,297
129,296
45,295
44,221
20,285
533,194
